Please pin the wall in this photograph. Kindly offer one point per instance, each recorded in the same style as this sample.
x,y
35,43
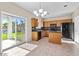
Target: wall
x,y
76,25
58,18
76,29
16,10
40,23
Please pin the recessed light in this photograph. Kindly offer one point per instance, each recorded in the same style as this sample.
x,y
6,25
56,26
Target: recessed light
x,y
65,5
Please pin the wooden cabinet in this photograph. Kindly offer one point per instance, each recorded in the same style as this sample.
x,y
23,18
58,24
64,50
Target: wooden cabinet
x,y
55,37
57,22
45,33
46,24
34,22
36,36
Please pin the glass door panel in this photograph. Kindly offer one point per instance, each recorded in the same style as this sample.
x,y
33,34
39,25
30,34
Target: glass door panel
x,y
20,30
7,39
4,24
5,28
13,29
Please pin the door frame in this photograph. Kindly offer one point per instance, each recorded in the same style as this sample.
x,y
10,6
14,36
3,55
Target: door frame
x,y
72,30
5,13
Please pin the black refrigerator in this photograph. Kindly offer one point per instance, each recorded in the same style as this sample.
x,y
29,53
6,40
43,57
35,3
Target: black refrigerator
x,y
68,30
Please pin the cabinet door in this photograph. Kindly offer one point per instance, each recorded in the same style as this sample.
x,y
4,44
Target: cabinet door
x,y
34,36
55,38
45,24
34,22
46,33
58,23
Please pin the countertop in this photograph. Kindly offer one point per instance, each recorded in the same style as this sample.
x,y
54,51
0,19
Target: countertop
x,y
54,31
39,30
36,30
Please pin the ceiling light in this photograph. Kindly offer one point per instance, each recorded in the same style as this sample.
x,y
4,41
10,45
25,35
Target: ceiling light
x,y
35,12
41,12
65,5
42,15
45,12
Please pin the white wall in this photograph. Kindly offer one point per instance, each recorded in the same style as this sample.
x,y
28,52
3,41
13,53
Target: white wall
x,y
58,18
76,29
76,25
16,10
40,23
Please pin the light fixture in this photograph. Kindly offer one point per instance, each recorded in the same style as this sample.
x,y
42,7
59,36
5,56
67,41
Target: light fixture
x,y
45,12
65,5
41,12
35,12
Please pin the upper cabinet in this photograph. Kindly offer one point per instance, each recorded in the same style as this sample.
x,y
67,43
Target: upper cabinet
x,y
34,22
46,24
57,22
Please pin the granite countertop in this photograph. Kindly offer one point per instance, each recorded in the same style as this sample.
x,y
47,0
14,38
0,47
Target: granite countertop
x,y
38,30
53,31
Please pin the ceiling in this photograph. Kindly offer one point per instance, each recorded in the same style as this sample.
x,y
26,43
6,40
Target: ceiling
x,y
53,8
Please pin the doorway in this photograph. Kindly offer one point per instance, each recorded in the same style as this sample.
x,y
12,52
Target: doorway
x,y
12,31
68,31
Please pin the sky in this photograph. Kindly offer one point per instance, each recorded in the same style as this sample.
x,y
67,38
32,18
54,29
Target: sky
x,y
18,20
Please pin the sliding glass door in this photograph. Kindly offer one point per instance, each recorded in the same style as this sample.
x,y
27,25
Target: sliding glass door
x,y
4,25
12,31
20,30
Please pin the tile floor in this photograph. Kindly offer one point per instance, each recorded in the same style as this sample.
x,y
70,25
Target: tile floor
x,y
67,48
44,48
20,50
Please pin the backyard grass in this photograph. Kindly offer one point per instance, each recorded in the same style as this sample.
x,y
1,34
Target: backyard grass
x,y
19,35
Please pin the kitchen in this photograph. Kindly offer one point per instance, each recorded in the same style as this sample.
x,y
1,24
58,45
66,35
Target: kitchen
x,y
54,30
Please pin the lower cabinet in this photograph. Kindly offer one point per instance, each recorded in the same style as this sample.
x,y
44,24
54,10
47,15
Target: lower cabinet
x,y
45,33
55,37
36,36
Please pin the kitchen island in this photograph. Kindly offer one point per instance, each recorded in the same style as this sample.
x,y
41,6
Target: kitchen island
x,y
55,37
